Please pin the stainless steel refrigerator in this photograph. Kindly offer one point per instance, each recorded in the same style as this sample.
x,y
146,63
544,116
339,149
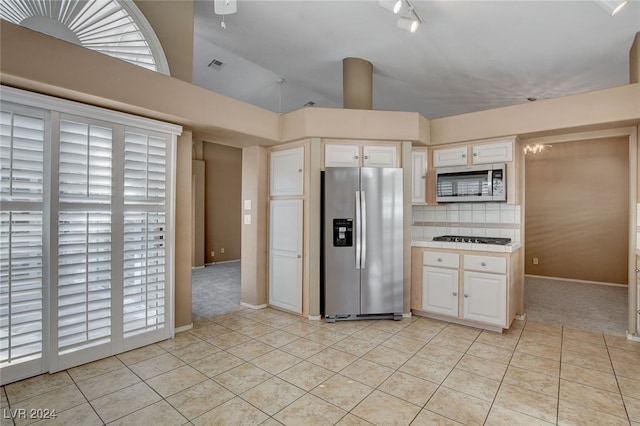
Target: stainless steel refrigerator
x,y
363,243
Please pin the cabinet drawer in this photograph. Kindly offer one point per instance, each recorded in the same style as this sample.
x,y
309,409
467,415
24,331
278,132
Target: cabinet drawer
x,y
445,260
497,265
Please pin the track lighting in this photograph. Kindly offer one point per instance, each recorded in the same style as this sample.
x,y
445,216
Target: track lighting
x,y
612,6
408,24
394,6
411,19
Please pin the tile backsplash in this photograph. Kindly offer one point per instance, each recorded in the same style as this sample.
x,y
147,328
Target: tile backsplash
x,y
473,219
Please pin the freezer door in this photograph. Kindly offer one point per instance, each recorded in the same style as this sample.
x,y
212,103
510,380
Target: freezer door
x,y
342,279
382,256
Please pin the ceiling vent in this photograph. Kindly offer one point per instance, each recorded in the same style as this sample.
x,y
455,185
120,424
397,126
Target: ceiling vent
x,y
216,64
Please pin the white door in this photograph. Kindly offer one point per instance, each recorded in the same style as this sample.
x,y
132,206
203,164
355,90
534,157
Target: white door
x,y
418,176
450,157
285,255
379,156
287,172
440,291
341,155
485,298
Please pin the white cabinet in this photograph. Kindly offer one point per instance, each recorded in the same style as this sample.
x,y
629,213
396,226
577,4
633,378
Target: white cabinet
x,y
379,156
341,155
285,254
450,157
287,172
469,287
346,155
440,290
485,298
419,176
500,152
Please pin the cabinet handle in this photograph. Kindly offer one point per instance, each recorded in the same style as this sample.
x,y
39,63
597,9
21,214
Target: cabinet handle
x,y
366,157
299,170
464,155
355,157
424,176
439,259
466,295
455,293
299,256
475,154
483,264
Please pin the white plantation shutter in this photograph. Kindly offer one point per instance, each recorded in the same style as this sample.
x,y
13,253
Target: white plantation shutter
x,y
144,272
145,168
85,162
86,218
84,279
22,136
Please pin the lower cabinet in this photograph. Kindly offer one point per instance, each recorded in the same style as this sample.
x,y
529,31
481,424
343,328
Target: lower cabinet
x,y
440,290
468,288
485,298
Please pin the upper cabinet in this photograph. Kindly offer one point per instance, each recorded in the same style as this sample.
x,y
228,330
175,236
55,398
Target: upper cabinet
x,y
481,153
341,155
360,155
501,152
450,157
379,156
418,175
287,172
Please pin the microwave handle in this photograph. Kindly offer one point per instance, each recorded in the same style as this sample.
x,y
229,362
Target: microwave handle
x,y
490,186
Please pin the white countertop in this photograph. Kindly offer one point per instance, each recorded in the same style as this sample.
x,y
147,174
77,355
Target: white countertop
x,y
496,248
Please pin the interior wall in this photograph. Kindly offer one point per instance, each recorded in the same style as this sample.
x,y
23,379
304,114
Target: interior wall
x,y
223,190
183,238
197,212
577,210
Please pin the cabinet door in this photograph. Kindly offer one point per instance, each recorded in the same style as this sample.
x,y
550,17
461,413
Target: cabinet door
x,y
341,155
450,157
419,177
285,255
440,291
287,172
500,152
379,156
485,298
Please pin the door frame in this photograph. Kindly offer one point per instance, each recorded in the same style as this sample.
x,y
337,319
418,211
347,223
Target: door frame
x,y
633,326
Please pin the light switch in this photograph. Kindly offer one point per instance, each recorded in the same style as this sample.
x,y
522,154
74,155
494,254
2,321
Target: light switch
x,y
247,204
247,219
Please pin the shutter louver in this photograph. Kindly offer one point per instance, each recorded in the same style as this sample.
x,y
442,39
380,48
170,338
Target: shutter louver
x,y
21,157
84,279
21,299
144,272
144,169
85,162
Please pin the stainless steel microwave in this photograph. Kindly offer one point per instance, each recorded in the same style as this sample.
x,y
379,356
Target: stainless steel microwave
x,y
485,182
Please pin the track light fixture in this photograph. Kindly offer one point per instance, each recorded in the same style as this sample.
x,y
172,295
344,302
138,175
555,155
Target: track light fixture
x,y
411,19
612,6
394,6
224,7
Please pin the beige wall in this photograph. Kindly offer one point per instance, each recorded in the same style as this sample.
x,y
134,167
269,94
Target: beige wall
x,y
577,210
197,213
165,17
254,235
223,187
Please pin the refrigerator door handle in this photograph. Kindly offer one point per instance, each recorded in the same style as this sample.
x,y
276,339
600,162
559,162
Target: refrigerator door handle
x,y
358,230
363,218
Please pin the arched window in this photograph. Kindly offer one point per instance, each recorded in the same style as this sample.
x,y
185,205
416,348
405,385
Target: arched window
x,y
115,28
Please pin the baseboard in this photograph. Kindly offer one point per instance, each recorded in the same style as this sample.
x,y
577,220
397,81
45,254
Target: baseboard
x,y
521,317
183,328
406,315
314,317
633,337
577,281
246,305
223,261
197,267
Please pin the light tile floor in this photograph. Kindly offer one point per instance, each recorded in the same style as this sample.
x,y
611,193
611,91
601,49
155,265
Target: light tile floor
x,y
270,367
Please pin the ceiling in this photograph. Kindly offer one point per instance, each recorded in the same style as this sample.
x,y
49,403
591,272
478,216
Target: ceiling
x,y
467,56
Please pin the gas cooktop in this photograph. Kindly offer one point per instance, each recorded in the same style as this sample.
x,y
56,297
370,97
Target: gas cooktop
x,y
476,240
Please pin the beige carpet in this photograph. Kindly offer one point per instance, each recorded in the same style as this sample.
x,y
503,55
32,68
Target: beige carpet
x,y
591,307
